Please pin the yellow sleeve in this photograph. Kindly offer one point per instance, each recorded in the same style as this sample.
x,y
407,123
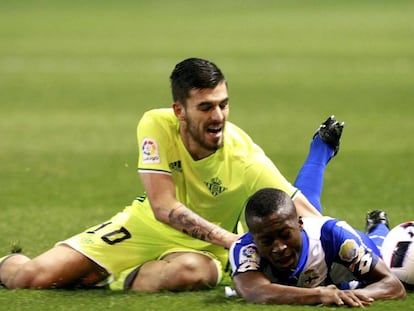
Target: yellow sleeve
x,y
155,134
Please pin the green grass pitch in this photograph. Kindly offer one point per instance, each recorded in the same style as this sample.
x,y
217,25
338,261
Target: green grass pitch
x,y
75,77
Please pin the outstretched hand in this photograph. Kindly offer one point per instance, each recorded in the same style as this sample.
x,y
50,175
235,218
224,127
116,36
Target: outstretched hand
x,y
332,295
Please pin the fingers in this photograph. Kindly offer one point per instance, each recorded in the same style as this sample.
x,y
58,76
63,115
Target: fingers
x,y
349,298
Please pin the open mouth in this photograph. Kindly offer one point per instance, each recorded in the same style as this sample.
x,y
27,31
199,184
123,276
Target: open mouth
x,y
284,262
216,131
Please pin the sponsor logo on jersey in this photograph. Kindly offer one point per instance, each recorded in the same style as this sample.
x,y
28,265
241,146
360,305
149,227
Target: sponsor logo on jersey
x,y
150,153
249,251
249,258
215,187
357,261
176,166
348,250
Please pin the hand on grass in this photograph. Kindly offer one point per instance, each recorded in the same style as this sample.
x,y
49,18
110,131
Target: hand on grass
x,y
332,295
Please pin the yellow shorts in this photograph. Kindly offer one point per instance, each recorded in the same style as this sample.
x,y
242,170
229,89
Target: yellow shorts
x,y
133,237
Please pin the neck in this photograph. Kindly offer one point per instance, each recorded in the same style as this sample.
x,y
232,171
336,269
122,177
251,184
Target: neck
x,y
196,151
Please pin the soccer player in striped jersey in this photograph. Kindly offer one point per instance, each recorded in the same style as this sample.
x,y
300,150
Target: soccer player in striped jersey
x,y
288,259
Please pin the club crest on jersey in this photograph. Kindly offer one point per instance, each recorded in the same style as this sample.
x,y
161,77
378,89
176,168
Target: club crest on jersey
x,y
150,153
348,250
215,187
309,278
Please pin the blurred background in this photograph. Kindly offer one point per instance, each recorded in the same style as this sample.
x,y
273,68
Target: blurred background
x,y
76,76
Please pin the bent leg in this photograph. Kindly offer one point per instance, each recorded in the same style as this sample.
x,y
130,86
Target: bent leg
x,y
177,272
324,146
59,267
377,226
310,176
378,234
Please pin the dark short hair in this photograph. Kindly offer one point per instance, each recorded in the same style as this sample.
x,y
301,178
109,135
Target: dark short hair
x,y
265,202
193,73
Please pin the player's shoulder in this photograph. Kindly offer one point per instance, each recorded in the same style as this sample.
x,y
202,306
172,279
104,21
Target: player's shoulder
x,y
239,141
335,232
245,239
314,225
237,133
158,120
244,255
159,114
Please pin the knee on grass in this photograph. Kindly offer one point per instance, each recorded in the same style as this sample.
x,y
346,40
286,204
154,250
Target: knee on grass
x,y
193,272
177,272
20,272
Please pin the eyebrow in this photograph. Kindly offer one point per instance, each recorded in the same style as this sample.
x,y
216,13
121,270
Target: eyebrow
x,y
212,102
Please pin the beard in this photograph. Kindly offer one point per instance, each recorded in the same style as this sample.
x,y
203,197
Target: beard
x,y
198,136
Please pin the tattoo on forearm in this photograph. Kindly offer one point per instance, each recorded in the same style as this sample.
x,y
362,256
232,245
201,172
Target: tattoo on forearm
x,y
189,223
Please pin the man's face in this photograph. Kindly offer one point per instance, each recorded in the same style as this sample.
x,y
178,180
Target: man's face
x,y
202,120
278,239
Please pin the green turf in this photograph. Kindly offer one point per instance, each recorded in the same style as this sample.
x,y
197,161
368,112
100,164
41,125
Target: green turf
x,y
75,77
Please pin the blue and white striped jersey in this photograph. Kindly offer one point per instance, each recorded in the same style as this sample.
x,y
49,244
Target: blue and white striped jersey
x,y
332,253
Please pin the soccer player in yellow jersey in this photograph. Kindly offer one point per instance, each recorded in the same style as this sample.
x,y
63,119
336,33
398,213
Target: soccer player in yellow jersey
x,y
197,170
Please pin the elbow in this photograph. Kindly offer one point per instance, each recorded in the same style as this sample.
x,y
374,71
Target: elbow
x,y
166,211
159,213
160,216
259,297
402,293
398,290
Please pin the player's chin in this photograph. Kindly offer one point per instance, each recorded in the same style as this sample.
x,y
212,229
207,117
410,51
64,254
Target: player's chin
x,y
220,143
215,143
287,263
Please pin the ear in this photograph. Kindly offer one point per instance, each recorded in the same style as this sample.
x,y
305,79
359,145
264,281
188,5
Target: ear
x,y
300,221
178,110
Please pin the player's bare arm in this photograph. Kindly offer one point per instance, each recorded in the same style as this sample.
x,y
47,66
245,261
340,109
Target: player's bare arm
x,y
188,222
304,208
382,284
255,287
160,191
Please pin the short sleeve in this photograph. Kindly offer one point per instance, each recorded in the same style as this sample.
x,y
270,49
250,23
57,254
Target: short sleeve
x,y
346,246
244,256
155,135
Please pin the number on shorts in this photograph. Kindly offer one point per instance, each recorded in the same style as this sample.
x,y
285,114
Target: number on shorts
x,y
116,236
113,237
100,227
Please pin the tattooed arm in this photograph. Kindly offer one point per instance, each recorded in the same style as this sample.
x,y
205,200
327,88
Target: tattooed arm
x,y
160,190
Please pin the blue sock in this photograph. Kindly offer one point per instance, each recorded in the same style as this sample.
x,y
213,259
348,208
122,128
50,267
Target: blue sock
x,y
310,177
377,234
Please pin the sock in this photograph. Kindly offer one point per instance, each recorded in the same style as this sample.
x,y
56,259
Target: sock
x,y
310,177
378,234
